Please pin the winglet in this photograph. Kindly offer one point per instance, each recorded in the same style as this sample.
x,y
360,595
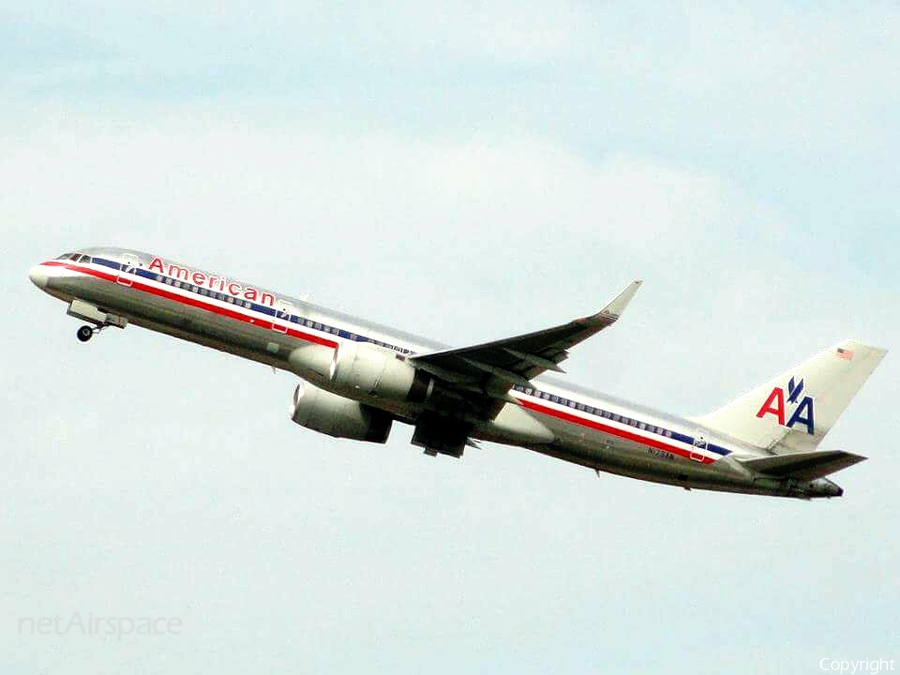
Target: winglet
x,y
615,308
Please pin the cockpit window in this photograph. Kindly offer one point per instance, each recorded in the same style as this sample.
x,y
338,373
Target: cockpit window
x,y
75,257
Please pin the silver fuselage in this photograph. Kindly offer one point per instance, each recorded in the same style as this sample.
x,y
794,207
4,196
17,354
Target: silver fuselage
x,y
585,427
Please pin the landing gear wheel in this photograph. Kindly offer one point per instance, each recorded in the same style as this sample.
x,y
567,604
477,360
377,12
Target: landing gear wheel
x,y
85,333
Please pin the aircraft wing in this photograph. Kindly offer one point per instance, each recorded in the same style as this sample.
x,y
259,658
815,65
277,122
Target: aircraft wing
x,y
493,367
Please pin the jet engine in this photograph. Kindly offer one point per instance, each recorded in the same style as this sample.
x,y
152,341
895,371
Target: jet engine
x,y
337,416
379,372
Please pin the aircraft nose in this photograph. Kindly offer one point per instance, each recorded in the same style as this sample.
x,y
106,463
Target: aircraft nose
x,y
38,276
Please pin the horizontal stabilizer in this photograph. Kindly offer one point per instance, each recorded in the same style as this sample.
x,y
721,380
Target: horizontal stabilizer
x,y
803,465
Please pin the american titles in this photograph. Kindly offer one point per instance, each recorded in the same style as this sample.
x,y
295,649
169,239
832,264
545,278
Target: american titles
x,y
214,282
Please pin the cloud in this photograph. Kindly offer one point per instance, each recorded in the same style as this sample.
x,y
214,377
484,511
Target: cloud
x,y
310,209
268,197
741,76
278,175
465,174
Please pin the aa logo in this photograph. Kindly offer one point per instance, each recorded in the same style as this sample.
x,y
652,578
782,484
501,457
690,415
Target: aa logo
x,y
777,405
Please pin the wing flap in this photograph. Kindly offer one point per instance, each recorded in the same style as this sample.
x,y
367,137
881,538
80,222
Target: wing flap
x,y
804,465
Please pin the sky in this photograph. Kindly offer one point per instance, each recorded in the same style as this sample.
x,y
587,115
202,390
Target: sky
x,y
462,171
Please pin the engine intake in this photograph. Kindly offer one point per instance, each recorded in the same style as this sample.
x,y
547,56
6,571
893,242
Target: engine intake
x,y
337,416
379,372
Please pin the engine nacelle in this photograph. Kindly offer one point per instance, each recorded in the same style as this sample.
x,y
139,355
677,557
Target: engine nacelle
x,y
379,372
337,416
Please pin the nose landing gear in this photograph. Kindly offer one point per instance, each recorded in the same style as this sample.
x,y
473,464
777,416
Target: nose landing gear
x,y
99,318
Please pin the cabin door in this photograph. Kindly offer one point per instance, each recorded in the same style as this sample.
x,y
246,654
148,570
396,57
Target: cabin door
x,y
699,448
284,314
126,271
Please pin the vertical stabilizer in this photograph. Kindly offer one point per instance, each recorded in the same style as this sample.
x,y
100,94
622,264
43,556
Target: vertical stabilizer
x,y
794,411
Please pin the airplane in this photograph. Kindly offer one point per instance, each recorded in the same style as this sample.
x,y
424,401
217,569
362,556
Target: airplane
x,y
357,378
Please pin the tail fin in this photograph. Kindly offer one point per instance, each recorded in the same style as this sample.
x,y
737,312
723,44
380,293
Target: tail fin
x,y
794,411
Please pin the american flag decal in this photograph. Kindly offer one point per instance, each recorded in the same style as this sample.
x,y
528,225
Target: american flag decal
x,y
845,354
